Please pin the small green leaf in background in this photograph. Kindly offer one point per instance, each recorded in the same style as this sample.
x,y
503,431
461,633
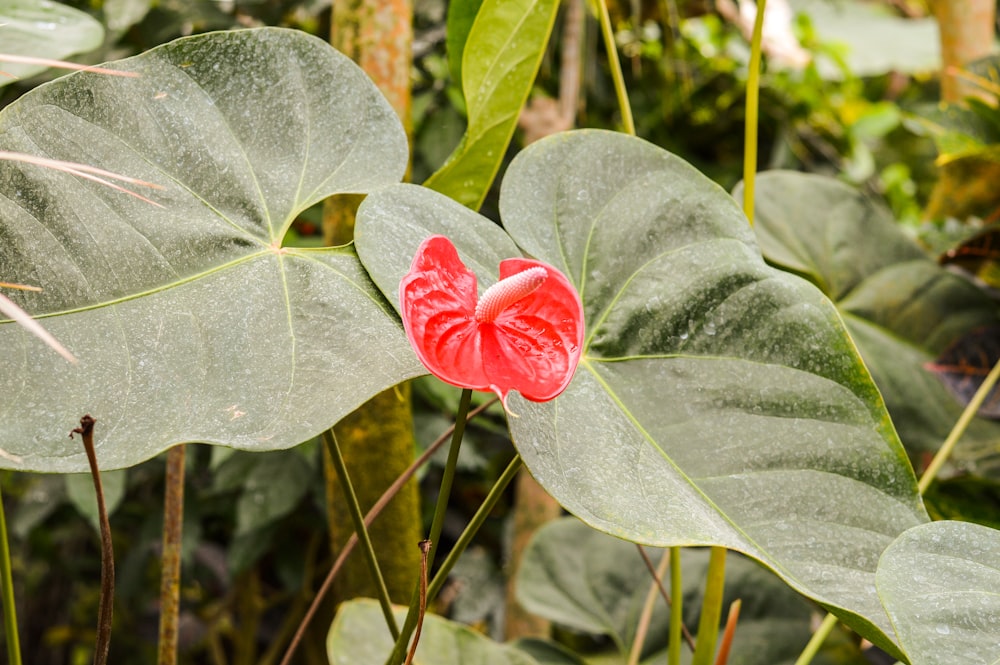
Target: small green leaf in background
x,y
900,307
81,493
359,636
274,487
939,583
719,401
510,37
191,321
43,29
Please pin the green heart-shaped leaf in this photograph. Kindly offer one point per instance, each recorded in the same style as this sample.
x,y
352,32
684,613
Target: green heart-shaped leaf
x,y
939,584
719,401
359,635
190,320
42,29
901,308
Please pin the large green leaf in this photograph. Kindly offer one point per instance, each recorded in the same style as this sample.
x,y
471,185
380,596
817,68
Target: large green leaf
x,y
43,29
591,582
901,308
359,636
190,321
719,401
509,38
939,582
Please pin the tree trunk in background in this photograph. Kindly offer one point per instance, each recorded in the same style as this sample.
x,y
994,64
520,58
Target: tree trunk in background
x,y
966,28
377,439
965,187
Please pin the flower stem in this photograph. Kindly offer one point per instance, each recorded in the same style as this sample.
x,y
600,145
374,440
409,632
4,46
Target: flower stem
x,y
7,588
359,527
959,429
474,525
752,112
816,641
676,608
711,608
608,33
447,479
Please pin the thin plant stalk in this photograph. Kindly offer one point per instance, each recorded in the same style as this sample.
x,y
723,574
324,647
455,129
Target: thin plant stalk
x,y
817,639
752,113
489,503
959,429
379,506
7,582
642,628
658,579
447,479
676,608
608,33
359,528
170,561
425,548
711,607
105,607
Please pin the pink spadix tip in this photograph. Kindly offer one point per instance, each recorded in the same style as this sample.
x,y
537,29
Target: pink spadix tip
x,y
508,291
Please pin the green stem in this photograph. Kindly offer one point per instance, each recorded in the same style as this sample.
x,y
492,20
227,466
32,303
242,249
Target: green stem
x,y
959,429
7,582
711,608
752,112
608,33
676,608
473,527
359,527
816,641
447,479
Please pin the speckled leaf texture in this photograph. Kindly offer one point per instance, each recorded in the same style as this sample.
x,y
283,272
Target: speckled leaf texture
x,y
940,583
190,320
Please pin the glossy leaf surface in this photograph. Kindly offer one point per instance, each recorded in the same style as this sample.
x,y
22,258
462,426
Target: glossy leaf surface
x,y
190,321
359,635
900,307
939,582
719,401
497,75
43,29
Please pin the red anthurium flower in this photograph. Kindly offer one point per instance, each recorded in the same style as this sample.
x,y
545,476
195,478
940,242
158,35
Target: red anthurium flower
x,y
524,334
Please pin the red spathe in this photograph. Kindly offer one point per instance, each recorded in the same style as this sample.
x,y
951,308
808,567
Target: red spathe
x,y
532,346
